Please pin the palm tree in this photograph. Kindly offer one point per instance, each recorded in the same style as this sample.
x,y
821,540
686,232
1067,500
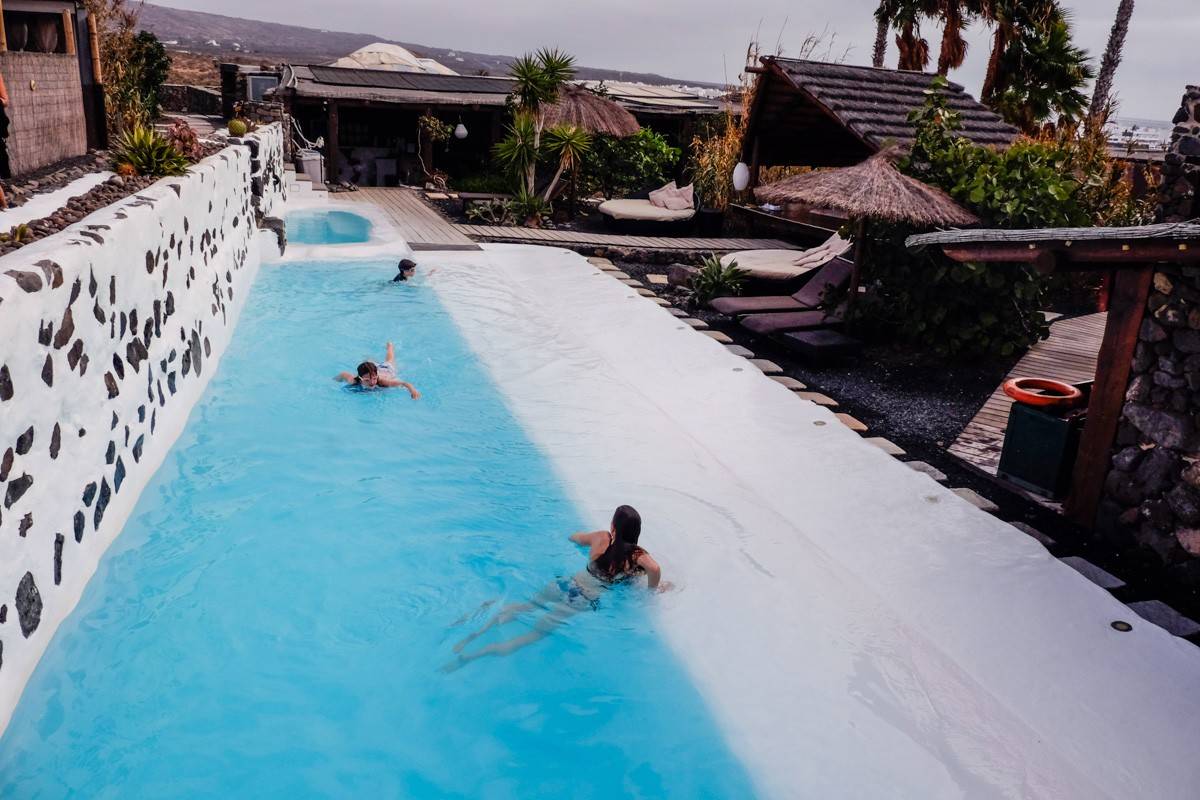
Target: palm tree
x,y
955,15
1108,65
883,24
538,79
1044,74
570,143
1011,18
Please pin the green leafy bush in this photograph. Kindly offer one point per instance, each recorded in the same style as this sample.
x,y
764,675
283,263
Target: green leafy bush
x,y
716,280
529,208
615,167
149,153
493,182
973,310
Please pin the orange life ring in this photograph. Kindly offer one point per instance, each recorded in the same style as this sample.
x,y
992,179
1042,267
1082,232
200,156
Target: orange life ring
x,y
1042,392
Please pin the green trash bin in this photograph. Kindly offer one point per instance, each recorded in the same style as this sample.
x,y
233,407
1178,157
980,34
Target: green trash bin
x,y
1040,447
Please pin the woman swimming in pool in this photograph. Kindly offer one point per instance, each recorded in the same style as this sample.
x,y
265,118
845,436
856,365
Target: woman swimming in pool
x,y
613,557
383,375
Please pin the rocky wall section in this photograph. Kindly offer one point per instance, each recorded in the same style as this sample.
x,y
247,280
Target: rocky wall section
x,y
1152,492
109,332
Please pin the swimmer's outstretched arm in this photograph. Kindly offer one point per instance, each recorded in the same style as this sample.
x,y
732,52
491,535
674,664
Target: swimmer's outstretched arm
x,y
589,539
653,573
393,384
344,376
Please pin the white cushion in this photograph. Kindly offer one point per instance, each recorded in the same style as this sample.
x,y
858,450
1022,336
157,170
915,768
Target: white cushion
x,y
661,197
644,211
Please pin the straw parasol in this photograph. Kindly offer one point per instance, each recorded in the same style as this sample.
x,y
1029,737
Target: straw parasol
x,y
587,110
874,189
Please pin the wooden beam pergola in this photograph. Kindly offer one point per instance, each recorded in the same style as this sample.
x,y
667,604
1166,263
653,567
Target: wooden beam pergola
x,y
1130,255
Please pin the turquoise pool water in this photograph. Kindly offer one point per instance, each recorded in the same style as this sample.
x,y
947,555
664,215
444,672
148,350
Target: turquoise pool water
x,y
327,227
272,621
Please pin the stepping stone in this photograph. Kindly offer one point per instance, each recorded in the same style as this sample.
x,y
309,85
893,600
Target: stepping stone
x,y
658,280
766,367
821,346
677,312
631,282
644,292
886,445
790,383
851,423
436,196
1166,617
616,273
927,469
717,336
737,349
1093,573
597,260
1035,533
660,301
821,400
695,323
976,499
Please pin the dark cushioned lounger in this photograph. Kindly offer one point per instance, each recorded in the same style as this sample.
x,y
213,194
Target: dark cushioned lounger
x,y
765,324
833,277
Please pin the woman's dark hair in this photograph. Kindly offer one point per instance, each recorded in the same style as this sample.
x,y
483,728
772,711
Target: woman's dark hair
x,y
621,555
367,368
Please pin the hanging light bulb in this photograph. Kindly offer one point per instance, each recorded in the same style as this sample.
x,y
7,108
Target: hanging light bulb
x,y
741,176
460,132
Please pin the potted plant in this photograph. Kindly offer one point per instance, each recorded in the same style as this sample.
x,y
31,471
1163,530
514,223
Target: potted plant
x,y
712,162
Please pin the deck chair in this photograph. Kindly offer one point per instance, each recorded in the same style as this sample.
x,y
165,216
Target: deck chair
x,y
787,265
768,324
829,280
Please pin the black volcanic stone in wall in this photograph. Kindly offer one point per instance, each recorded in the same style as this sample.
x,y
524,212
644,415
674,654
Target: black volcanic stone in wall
x,y
115,419
171,382
28,605
6,464
149,262
118,366
58,546
76,287
80,521
92,285
101,503
55,440
17,488
48,371
110,455
112,290
137,447
111,383
26,524
29,281
89,493
25,441
74,353
66,329
45,333
6,384
119,475
3,614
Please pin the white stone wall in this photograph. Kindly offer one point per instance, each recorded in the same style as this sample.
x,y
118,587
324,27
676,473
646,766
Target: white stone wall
x,y
109,332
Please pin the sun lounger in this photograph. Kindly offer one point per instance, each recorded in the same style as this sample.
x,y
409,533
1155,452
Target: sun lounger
x,y
781,265
829,281
636,210
767,324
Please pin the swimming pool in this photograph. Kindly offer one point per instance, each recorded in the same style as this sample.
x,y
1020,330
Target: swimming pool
x,y
325,227
272,621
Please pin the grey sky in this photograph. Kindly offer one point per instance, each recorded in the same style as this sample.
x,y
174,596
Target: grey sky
x,y
706,39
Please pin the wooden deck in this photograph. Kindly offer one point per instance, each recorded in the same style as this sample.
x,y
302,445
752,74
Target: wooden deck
x,y
419,223
1068,355
561,238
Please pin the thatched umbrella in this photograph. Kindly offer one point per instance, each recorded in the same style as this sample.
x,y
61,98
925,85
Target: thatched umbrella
x,y
585,109
874,189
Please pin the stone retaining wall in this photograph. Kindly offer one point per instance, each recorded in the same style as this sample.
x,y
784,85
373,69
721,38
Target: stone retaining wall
x,y
183,98
109,332
1152,493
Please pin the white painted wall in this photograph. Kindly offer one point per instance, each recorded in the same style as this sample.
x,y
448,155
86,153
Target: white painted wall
x,y
182,256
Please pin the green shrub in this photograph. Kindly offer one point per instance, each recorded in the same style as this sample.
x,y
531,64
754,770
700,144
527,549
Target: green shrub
x,y
529,209
238,127
149,153
715,280
493,212
493,182
617,167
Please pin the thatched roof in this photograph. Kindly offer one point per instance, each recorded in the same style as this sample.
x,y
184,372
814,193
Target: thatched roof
x,y
585,109
874,189
817,114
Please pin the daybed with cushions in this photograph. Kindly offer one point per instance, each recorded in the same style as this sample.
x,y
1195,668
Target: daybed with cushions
x,y
782,265
670,204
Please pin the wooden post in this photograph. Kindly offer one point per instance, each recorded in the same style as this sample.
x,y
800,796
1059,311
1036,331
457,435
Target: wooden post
x,y
331,145
1130,289
94,42
3,32
860,247
69,32
754,167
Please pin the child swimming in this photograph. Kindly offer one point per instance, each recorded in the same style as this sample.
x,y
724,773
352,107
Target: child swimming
x,y
372,375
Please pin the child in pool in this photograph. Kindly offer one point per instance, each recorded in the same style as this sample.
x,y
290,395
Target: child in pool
x,y
372,375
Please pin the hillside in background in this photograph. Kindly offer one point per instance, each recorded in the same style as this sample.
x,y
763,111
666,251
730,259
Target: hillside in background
x,y
197,37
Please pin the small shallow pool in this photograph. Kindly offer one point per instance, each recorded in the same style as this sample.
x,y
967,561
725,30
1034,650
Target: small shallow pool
x,y
321,226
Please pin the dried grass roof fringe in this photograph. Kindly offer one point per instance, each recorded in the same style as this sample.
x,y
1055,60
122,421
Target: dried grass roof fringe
x,y
1169,231
875,103
585,109
874,189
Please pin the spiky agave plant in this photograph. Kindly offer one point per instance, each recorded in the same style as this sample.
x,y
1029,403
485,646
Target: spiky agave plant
x,y
716,280
149,153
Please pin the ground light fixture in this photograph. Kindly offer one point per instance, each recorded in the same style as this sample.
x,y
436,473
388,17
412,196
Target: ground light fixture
x,y
741,176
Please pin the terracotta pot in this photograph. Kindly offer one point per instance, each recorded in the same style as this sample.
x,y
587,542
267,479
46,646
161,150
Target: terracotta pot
x,y
17,34
45,35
